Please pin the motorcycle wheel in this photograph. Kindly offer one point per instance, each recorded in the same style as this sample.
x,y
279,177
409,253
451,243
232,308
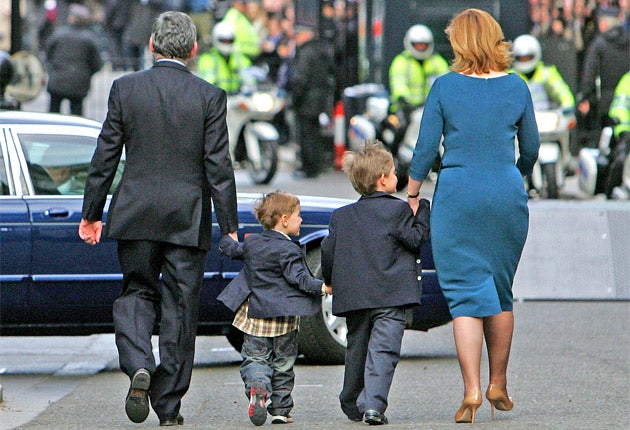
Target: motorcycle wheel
x,y
322,337
614,177
264,172
550,185
402,173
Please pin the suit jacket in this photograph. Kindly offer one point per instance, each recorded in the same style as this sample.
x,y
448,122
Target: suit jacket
x,y
371,255
275,277
312,84
172,126
72,57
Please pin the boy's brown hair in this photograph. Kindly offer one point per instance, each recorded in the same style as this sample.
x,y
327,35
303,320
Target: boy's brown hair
x,y
270,207
364,168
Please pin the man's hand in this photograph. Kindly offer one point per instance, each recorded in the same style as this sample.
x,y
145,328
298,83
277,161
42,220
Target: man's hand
x,y
90,231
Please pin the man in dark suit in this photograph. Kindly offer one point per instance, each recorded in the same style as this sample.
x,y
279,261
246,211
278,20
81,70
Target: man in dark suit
x,y
72,58
173,128
312,88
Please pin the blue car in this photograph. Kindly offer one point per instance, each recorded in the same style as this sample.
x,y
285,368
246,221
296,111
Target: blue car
x,y
52,283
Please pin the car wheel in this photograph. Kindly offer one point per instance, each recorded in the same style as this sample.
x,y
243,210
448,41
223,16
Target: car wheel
x,y
322,337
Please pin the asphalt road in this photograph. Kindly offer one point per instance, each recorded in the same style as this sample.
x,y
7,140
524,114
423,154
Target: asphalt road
x,y
569,370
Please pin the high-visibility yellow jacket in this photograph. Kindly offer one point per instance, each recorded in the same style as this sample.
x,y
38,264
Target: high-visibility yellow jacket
x,y
555,87
620,106
223,72
411,79
246,41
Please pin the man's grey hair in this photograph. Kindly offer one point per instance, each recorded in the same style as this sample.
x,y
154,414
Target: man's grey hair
x,y
174,35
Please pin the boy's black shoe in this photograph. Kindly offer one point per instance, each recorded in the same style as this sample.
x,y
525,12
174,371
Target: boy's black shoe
x,y
257,403
137,402
375,418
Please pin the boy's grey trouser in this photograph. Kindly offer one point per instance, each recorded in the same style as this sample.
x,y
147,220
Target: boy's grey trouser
x,y
270,360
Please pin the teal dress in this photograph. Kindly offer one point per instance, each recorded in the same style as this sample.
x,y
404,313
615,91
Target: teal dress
x,y
479,215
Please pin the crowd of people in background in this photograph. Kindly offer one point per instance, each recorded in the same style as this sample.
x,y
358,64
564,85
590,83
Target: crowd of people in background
x,y
565,29
123,27
568,31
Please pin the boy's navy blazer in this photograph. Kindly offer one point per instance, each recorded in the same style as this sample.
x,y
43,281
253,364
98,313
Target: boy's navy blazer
x,y
371,256
275,277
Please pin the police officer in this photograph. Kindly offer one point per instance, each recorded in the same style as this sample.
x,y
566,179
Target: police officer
x,y
528,64
620,106
620,112
606,61
413,71
222,65
247,41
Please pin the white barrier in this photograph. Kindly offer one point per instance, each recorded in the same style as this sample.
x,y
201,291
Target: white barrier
x,y
576,250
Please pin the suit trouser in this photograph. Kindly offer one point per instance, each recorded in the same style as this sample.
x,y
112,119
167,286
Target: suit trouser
x,y
374,342
311,146
175,301
76,103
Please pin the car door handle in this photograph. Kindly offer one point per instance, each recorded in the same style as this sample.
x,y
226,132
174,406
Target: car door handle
x,y
57,213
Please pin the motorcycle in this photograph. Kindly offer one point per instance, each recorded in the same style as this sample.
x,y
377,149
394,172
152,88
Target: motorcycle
x,y
377,123
253,137
554,155
408,145
604,169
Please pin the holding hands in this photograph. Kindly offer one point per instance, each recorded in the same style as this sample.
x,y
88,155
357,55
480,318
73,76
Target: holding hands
x,y
327,289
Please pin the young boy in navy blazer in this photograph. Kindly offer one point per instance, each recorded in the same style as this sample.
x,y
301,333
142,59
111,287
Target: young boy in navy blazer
x,y
274,288
370,258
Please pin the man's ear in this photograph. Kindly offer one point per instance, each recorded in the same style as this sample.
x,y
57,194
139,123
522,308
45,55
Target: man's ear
x,y
193,51
151,48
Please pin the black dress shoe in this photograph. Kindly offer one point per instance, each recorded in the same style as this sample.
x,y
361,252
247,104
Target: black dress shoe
x,y
375,418
177,421
137,402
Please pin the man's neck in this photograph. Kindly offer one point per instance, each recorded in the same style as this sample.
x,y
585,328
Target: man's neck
x,y
174,60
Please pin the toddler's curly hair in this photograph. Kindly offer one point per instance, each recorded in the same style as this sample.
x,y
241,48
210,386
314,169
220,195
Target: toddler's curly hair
x,y
271,206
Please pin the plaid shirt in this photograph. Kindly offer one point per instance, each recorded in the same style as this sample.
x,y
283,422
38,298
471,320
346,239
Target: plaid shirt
x,y
264,327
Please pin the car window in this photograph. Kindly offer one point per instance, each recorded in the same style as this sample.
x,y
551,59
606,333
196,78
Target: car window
x,y
58,164
4,180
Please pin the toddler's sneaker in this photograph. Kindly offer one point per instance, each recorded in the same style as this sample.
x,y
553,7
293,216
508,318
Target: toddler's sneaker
x,y
257,404
281,419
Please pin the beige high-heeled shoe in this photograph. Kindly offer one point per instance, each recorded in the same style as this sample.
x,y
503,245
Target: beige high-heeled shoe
x,y
468,408
499,399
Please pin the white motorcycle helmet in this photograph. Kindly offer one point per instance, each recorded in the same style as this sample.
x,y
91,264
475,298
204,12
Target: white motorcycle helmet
x,y
223,35
419,41
527,53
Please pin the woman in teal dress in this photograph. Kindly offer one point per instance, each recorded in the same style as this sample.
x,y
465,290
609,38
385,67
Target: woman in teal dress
x,y
479,216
